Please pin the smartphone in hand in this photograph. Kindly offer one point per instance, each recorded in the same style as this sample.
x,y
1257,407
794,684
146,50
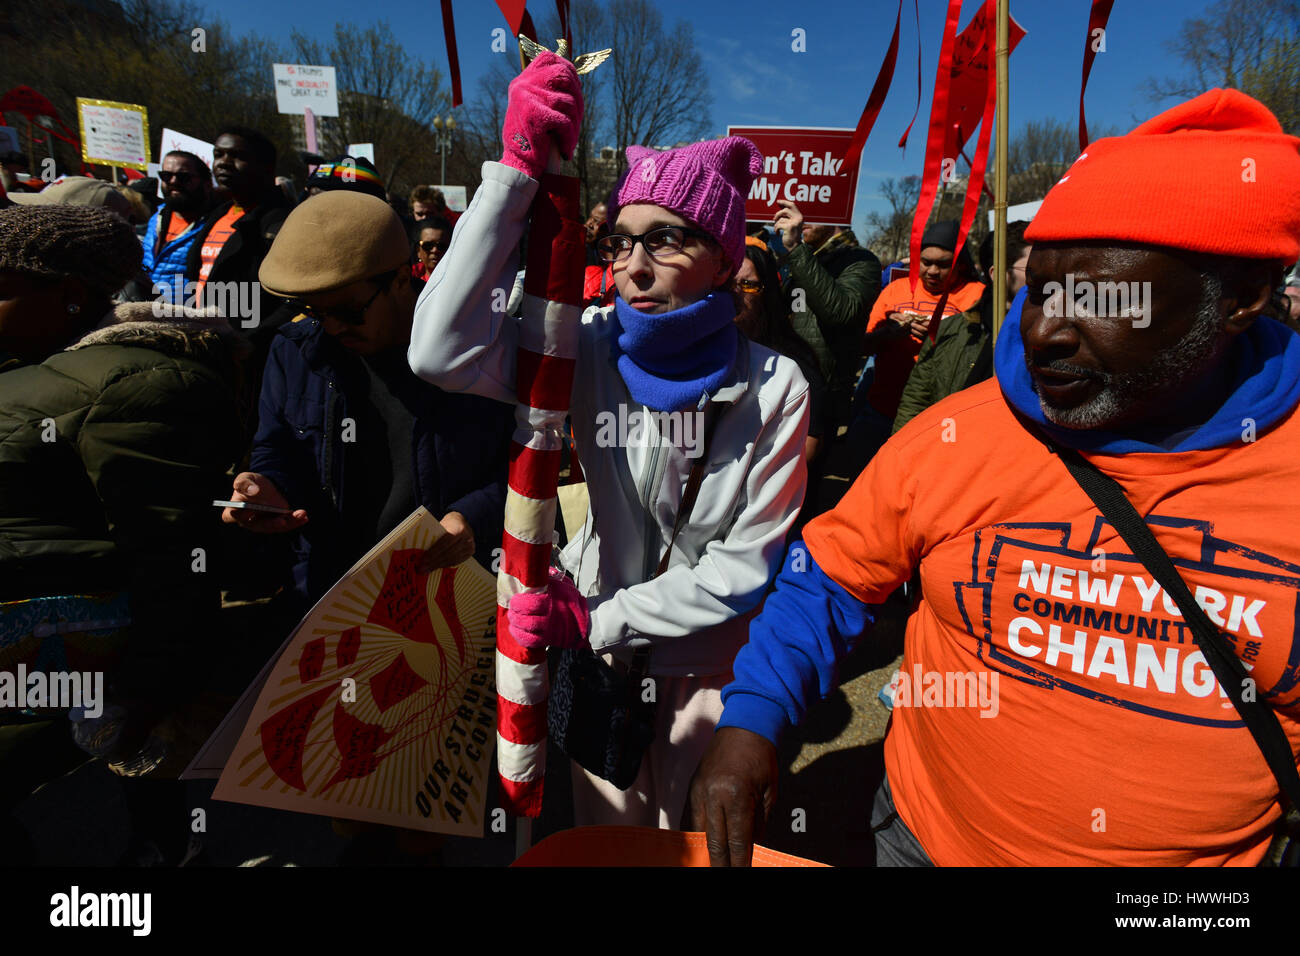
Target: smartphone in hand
x,y
252,506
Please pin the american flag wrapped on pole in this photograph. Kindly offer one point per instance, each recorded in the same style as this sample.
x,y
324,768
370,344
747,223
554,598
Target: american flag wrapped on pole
x,y
548,350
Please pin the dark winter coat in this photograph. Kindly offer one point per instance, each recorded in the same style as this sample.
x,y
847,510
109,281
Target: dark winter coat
x,y
960,356
241,257
840,282
253,312
459,450
111,453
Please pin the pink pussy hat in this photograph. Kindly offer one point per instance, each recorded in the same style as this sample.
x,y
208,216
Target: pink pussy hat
x,y
705,183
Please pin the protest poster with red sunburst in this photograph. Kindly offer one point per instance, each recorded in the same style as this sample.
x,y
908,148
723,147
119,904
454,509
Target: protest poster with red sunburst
x,y
382,707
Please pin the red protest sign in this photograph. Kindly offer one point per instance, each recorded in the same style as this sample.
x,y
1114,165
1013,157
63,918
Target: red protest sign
x,y
804,164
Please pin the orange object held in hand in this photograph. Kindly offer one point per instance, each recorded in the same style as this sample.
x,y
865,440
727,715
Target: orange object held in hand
x,y
637,846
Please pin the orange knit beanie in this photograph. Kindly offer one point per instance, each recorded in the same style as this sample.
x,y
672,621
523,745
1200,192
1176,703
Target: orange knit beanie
x,y
1215,174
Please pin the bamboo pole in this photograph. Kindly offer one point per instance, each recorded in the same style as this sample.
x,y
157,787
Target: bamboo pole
x,y
1000,171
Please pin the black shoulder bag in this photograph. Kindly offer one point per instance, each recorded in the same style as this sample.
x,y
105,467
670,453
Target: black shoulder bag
x,y
597,715
1258,717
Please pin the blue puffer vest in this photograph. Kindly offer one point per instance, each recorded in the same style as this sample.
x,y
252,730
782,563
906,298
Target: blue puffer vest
x,y
166,265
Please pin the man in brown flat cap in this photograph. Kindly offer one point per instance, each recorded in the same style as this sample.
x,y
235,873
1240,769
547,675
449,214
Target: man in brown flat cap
x,y
340,409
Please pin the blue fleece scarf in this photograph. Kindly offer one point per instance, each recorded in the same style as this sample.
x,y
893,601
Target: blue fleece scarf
x,y
1265,366
671,360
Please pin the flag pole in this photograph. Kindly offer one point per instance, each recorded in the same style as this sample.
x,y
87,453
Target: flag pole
x,y
309,128
1000,171
523,835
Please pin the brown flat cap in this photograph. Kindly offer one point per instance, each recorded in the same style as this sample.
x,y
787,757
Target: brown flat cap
x,y
332,240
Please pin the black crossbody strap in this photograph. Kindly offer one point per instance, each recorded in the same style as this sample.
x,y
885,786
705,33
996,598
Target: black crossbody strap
x,y
641,656
689,493
1258,717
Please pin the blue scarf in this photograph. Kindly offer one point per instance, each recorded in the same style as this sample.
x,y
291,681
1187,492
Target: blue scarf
x,y
1266,386
670,361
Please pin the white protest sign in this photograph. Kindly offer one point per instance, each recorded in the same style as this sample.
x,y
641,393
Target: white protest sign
x,y
455,197
362,150
172,140
298,86
1021,213
113,134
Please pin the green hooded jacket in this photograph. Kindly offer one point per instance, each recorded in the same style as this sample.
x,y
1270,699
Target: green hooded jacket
x,y
111,453
840,282
960,356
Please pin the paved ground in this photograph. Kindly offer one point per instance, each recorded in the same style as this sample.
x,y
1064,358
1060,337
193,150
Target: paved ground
x,y
831,768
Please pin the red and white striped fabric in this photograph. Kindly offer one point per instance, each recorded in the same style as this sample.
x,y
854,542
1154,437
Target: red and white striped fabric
x,y
548,350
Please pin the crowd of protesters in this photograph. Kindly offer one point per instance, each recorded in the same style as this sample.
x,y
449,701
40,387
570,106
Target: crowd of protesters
x,y
159,352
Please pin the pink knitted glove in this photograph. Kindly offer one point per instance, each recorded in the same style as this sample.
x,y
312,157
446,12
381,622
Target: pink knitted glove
x,y
556,617
545,102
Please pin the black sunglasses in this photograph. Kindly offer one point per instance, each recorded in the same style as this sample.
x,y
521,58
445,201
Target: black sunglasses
x,y
180,177
428,245
352,316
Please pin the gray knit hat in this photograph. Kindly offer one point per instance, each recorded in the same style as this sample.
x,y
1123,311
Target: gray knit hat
x,y
58,242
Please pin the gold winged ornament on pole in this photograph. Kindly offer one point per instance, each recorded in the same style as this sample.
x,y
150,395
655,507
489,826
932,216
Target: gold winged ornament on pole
x,y
584,63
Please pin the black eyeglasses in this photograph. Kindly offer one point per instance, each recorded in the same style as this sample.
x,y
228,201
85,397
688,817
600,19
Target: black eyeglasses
x,y
353,316
428,245
180,177
660,243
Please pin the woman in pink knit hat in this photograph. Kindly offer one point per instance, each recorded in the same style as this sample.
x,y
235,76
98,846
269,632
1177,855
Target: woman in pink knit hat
x,y
662,379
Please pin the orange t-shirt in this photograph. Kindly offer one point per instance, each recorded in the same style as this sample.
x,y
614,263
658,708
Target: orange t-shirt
x,y
177,225
895,360
1102,737
213,242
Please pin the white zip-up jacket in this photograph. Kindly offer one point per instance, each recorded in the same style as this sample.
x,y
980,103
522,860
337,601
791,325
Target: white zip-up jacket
x,y
695,615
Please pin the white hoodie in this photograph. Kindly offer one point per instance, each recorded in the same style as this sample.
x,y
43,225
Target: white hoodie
x,y
695,615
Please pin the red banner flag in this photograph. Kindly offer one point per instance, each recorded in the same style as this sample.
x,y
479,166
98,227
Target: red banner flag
x,y
973,71
513,11
902,142
1096,22
876,100
980,164
453,59
934,142
566,28
972,79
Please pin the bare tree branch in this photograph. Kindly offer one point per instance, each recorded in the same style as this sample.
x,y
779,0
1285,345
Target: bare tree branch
x,y
385,98
659,87
1250,45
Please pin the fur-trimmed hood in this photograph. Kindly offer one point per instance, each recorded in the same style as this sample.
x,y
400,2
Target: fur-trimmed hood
x,y
201,334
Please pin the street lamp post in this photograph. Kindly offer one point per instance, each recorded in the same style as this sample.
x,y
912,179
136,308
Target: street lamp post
x,y
442,135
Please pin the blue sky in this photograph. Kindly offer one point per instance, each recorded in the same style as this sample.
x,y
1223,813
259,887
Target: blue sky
x,y
756,79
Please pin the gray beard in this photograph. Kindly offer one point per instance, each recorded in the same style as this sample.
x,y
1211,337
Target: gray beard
x,y
1168,370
